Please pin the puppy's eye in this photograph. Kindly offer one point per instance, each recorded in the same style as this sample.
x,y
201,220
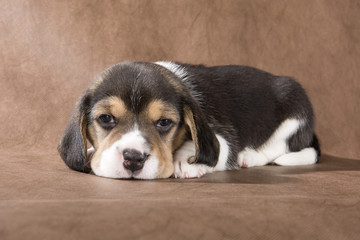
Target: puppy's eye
x,y
106,118
164,125
106,121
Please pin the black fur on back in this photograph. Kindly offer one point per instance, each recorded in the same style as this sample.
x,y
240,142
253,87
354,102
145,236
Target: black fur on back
x,y
248,105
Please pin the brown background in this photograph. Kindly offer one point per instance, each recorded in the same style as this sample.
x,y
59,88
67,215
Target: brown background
x,y
51,50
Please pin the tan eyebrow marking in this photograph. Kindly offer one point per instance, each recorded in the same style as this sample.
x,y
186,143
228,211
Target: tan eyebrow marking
x,y
111,105
158,109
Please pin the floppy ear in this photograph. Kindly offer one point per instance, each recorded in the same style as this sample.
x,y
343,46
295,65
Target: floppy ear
x,y
73,143
206,143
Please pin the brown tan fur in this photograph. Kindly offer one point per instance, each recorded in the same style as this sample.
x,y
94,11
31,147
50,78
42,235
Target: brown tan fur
x,y
180,137
101,139
158,109
105,144
113,105
162,147
189,121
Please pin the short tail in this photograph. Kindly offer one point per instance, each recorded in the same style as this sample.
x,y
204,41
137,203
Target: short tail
x,y
316,145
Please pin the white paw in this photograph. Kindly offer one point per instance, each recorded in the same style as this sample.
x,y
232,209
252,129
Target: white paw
x,y
185,170
182,168
242,160
246,159
251,158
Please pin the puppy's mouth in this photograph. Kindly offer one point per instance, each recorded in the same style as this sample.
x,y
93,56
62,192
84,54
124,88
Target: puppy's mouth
x,y
126,164
133,174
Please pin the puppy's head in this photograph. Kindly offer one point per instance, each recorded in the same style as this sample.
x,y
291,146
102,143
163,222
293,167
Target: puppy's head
x,y
135,115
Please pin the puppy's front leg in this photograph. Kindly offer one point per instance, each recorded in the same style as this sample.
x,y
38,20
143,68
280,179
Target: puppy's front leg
x,y
185,170
182,168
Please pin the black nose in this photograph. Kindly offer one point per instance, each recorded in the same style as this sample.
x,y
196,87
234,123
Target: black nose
x,y
134,160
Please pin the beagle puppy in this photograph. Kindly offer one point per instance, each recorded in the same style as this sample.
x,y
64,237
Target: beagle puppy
x,y
163,119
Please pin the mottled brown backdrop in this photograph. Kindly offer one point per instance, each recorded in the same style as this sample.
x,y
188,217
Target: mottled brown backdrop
x,y
51,50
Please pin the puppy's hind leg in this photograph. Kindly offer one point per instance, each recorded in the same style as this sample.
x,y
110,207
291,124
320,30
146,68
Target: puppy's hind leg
x,y
251,158
306,156
298,155
275,147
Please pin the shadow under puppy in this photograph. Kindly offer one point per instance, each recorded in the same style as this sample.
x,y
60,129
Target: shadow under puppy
x,y
156,120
